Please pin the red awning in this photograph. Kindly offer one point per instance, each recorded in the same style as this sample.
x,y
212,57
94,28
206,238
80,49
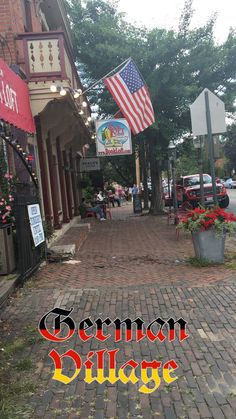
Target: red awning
x,y
14,100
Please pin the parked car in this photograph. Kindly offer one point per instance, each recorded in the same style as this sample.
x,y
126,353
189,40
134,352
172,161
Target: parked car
x,y
188,189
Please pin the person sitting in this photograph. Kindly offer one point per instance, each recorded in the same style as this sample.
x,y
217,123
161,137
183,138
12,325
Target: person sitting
x,y
100,196
113,198
97,209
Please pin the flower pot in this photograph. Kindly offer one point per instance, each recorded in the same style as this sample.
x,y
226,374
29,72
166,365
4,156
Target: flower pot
x,y
7,254
209,245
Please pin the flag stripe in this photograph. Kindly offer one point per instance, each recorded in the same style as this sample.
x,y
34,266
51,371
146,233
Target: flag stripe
x,y
136,112
147,101
140,101
147,104
132,96
111,84
121,98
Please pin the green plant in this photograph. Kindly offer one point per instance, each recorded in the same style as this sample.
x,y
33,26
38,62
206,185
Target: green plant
x,y
88,193
6,190
48,230
198,263
202,219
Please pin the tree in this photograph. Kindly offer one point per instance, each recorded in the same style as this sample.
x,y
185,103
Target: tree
x,y
230,148
177,66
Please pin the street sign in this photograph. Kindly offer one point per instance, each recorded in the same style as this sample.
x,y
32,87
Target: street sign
x,y
198,114
89,164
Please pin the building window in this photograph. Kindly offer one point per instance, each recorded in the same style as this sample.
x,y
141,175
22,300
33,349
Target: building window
x,y
27,15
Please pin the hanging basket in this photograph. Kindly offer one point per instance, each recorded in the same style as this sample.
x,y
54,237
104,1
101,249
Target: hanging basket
x,y
209,245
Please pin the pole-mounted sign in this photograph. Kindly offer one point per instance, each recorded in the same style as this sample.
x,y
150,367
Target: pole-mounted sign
x,y
208,117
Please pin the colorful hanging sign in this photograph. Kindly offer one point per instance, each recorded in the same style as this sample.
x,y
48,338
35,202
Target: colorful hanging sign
x,y
14,100
113,137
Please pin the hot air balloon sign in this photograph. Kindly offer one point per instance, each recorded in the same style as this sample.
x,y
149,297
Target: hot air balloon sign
x,y
113,137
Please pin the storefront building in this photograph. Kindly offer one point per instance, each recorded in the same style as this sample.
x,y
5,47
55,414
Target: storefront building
x,y
37,45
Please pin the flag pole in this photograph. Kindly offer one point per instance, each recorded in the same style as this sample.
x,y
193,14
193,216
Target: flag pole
x,y
106,75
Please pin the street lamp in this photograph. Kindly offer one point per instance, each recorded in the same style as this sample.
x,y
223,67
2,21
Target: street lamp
x,y
172,158
197,143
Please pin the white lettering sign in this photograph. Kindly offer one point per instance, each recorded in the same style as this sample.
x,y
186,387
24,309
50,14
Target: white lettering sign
x,y
8,97
89,164
36,224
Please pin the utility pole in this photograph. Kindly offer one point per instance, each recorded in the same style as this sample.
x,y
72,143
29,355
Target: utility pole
x,y
210,147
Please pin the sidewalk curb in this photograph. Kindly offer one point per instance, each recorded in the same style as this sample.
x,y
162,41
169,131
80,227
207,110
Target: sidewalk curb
x,y
7,287
9,283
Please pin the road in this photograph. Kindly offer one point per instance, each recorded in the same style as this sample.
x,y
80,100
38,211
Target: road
x,y
232,197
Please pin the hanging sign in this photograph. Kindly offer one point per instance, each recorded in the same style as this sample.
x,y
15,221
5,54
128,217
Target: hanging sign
x,y
89,164
36,224
113,138
14,100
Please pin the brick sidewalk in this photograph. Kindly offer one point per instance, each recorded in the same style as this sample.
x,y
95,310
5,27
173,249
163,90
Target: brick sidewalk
x,y
129,267
131,250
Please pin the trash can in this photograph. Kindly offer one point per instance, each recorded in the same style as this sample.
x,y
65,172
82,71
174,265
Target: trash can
x,y
7,253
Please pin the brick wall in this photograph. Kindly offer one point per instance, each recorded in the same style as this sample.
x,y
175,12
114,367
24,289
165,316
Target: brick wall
x,y
11,24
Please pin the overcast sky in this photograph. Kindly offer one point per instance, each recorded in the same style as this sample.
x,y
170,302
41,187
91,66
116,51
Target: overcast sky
x,y
166,13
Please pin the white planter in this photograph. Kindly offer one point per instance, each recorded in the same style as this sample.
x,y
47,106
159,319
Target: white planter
x,y
209,246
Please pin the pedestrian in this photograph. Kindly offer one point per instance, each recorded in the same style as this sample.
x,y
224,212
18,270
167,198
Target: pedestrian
x,y
134,190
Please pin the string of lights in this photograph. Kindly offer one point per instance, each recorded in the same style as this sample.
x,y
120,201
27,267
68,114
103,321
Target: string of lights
x,y
77,94
26,158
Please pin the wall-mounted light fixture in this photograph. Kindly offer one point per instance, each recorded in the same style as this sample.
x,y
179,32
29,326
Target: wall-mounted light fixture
x,y
63,90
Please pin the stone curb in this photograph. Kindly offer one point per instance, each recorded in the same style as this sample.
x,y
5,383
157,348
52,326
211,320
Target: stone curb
x,y
7,287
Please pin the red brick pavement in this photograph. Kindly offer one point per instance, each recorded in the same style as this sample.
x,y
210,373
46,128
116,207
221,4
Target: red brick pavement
x,y
143,280
130,250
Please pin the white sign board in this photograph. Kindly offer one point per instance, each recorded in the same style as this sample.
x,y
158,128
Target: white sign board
x,y
198,114
36,224
89,164
113,137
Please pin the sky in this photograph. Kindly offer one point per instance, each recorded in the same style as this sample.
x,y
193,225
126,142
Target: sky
x,y
166,13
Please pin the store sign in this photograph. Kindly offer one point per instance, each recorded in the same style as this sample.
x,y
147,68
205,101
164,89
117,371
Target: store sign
x,y
113,138
36,224
14,100
89,164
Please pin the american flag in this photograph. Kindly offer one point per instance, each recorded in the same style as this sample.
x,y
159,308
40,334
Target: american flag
x,y
131,95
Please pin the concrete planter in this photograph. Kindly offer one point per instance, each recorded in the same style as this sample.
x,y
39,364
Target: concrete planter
x,y
209,246
7,254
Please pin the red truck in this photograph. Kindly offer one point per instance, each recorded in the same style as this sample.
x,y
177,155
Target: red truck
x,y
188,189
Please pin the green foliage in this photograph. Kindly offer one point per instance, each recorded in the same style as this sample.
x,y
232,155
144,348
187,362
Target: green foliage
x,y
6,189
48,230
176,65
198,263
230,148
201,219
16,380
